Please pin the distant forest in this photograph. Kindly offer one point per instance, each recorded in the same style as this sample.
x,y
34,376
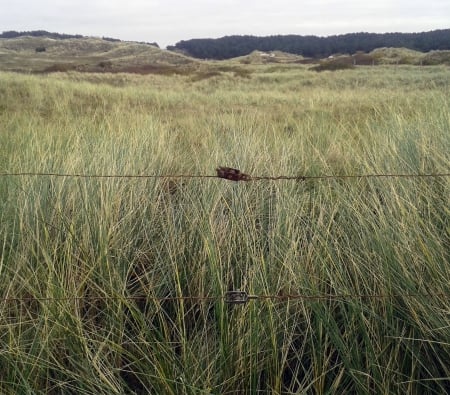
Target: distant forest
x,y
56,36
312,46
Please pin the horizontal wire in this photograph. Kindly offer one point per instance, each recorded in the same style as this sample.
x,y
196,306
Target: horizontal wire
x,y
217,298
75,175
250,178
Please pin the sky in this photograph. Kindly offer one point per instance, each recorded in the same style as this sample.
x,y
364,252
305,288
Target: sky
x,y
169,21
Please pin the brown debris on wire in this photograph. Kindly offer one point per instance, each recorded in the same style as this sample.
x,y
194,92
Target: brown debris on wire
x,y
232,174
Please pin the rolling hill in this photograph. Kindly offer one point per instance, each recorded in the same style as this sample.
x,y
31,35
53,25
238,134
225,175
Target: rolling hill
x,y
42,54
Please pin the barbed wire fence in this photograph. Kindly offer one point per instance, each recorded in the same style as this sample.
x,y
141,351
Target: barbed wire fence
x,y
236,296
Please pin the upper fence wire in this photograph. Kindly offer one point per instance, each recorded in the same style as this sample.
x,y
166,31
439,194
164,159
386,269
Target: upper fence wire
x,y
227,173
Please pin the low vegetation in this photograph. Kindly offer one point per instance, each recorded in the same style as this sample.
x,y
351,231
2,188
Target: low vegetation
x,y
87,262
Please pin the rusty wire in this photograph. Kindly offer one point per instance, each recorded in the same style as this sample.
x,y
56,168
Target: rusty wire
x,y
225,173
279,297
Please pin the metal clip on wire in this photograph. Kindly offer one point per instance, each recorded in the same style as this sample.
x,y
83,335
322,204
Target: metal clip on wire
x,y
238,297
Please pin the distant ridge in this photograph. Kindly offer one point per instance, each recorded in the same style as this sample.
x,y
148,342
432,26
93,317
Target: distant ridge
x,y
38,33
59,36
312,46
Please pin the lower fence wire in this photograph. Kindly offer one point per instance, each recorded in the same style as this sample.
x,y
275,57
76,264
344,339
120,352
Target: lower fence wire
x,y
231,297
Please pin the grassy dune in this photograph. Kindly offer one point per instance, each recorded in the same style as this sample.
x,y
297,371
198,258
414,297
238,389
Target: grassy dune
x,y
107,241
43,54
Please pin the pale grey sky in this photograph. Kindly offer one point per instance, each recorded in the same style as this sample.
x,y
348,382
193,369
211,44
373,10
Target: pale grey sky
x,y
169,21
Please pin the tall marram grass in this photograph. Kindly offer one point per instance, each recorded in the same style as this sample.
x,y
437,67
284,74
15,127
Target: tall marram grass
x,y
67,243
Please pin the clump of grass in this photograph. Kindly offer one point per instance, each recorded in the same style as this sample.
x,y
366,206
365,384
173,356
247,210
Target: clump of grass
x,y
397,56
334,64
86,263
436,58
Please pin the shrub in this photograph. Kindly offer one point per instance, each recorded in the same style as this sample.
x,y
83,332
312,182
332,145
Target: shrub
x,y
333,65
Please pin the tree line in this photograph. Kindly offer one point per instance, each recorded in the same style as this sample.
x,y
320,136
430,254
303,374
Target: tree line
x,y
312,46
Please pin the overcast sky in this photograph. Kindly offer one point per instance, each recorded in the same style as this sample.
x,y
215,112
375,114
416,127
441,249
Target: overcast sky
x,y
169,21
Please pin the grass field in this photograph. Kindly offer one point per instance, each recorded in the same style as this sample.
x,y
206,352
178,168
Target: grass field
x,y
78,255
